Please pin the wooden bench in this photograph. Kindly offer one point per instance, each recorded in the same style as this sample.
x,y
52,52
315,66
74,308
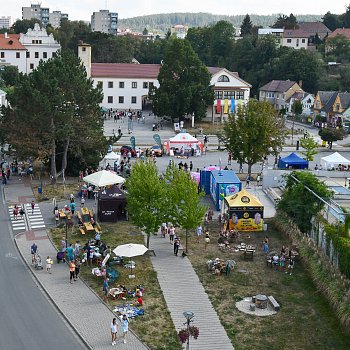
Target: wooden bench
x,y
98,227
274,303
97,230
79,216
82,231
248,254
91,213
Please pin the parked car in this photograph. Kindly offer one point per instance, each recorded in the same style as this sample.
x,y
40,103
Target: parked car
x,y
157,150
124,150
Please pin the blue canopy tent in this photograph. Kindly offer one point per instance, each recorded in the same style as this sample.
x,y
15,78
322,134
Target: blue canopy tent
x,y
293,161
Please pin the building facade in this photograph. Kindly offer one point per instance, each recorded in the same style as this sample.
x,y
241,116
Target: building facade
x,y
104,22
179,30
43,14
295,38
5,22
25,51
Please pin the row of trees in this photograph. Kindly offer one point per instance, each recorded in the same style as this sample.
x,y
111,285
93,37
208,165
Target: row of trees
x,y
153,200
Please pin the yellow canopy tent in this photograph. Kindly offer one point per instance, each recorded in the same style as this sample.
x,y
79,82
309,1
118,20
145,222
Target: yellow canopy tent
x,y
245,211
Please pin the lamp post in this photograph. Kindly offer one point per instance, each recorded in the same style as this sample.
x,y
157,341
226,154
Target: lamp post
x,y
189,316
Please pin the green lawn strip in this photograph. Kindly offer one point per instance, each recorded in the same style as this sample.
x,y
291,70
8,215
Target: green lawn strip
x,y
57,191
155,328
305,321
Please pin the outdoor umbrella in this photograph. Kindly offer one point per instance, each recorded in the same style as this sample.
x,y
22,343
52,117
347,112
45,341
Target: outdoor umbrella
x,y
129,250
103,178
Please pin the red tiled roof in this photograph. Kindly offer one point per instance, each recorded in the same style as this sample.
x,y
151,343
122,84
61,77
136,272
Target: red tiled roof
x,y
11,42
340,31
313,28
124,70
295,33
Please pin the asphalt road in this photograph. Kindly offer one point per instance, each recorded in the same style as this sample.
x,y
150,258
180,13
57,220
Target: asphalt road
x,y
27,319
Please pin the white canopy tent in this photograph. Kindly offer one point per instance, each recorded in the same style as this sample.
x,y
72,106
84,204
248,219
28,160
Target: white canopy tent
x,y
333,160
104,178
111,157
185,140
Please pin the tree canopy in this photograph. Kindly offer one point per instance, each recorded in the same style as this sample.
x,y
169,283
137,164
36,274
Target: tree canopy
x,y
255,131
184,83
310,145
58,111
331,134
299,202
288,22
247,26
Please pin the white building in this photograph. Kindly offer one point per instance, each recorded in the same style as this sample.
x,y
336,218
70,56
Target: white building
x,y
126,85
3,101
179,30
26,50
277,33
295,38
43,14
104,21
5,22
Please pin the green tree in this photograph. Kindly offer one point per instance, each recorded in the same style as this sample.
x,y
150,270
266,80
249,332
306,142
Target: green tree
x,y
184,83
297,107
146,193
184,205
310,145
253,133
332,21
246,26
22,25
55,105
331,134
145,31
288,22
299,202
339,48
9,75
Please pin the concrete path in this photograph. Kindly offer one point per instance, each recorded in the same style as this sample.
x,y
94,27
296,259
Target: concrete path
x,y
183,291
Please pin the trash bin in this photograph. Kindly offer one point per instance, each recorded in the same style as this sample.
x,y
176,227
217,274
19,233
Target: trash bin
x,y
40,190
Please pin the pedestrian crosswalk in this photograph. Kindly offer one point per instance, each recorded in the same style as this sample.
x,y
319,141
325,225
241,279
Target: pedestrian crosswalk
x,y
30,220
35,218
19,223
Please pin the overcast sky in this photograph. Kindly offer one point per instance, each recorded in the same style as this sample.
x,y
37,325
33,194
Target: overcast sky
x,y
82,9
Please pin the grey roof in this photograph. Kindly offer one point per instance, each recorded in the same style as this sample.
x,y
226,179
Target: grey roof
x,y
278,85
214,70
328,106
313,28
325,96
295,33
345,99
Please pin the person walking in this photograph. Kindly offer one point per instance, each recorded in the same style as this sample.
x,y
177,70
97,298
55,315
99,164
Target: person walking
x,y
125,327
49,263
70,253
77,267
229,159
15,212
72,207
71,271
199,232
171,233
105,289
33,206
114,331
33,250
176,245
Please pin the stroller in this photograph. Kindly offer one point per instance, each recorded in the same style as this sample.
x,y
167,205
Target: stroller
x,y
38,265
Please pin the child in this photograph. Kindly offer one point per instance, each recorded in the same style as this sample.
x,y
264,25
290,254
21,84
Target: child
x,y
82,201
49,263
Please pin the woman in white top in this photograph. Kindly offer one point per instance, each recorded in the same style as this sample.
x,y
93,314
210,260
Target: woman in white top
x,y
125,327
114,331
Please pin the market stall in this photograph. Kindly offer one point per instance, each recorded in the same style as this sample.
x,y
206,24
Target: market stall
x,y
112,159
111,205
333,161
245,212
223,183
183,144
293,161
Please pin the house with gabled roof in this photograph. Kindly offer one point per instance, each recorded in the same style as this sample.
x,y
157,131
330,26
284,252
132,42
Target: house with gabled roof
x,y
314,29
126,85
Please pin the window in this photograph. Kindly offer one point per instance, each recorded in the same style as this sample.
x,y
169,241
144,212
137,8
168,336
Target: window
x,y
54,54
133,99
110,85
100,84
2,55
84,49
121,85
121,99
33,41
44,54
134,85
303,41
36,54
31,66
110,99
218,95
289,41
145,85
18,55
318,105
28,54
223,79
229,95
239,95
337,107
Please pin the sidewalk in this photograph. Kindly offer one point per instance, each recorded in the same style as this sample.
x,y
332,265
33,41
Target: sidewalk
x,y
183,291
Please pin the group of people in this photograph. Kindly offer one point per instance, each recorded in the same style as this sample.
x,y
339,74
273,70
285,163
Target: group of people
x,y
284,261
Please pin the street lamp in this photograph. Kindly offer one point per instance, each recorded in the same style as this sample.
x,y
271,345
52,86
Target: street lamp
x,y
189,316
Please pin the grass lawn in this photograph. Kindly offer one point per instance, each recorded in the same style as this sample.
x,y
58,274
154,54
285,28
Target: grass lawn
x,y
57,191
155,328
305,320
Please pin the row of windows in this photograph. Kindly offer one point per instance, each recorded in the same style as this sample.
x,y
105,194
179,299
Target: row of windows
x,y
37,42
290,40
223,95
110,99
36,54
110,84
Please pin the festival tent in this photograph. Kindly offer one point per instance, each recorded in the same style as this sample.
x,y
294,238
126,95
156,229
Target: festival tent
x,y
111,158
183,139
245,211
103,178
333,160
293,161
111,205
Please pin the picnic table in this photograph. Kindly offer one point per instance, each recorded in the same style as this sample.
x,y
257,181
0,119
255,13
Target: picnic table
x,y
88,227
85,214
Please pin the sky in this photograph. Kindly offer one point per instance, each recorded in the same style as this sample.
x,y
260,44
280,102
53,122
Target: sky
x,y
82,9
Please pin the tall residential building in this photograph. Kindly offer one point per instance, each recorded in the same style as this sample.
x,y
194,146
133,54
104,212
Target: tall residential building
x,y
43,14
5,22
104,21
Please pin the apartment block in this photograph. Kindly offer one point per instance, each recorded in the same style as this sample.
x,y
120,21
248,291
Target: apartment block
x,y
104,22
